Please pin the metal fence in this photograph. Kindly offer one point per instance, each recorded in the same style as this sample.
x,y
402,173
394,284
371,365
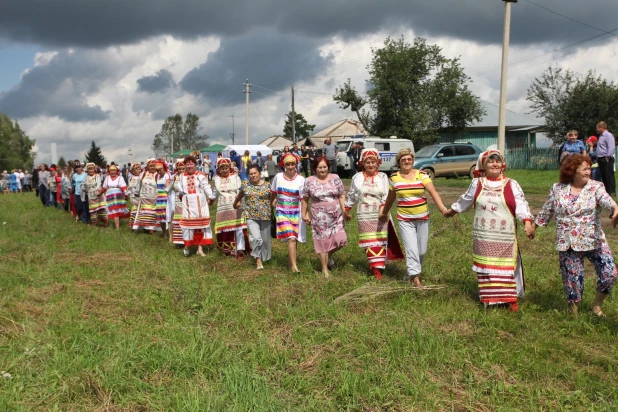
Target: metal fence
x,y
533,158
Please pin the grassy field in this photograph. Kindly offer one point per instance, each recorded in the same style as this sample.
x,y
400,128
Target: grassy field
x,y
93,319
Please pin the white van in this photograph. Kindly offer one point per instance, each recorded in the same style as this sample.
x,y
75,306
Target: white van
x,y
386,147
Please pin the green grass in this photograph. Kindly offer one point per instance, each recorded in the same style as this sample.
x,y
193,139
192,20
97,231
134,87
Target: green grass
x,y
94,319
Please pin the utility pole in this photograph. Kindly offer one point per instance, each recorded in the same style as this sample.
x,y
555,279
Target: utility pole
x,y
247,91
503,79
293,119
130,155
232,134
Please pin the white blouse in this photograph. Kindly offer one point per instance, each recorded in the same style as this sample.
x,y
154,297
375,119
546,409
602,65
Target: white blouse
x,y
466,201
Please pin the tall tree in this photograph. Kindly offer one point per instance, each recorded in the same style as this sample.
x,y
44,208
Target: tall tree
x,y
15,146
62,162
186,135
94,155
571,101
413,92
303,129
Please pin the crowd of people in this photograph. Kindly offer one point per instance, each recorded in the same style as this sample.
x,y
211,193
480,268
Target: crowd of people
x,y
17,181
253,207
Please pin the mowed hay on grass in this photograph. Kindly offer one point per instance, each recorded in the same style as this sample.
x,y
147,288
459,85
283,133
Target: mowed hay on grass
x,y
104,320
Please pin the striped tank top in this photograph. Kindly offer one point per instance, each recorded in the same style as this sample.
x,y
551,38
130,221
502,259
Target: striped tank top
x,y
411,200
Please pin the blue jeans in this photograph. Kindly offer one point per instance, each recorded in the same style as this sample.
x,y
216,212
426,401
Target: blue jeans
x,y
82,209
44,194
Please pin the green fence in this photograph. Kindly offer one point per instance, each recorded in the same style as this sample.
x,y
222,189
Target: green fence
x,y
533,159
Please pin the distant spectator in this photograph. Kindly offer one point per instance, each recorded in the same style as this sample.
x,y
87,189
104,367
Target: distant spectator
x,y
592,152
329,151
606,149
571,146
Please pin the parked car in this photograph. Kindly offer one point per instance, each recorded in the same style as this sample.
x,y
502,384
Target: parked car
x,y
447,159
386,147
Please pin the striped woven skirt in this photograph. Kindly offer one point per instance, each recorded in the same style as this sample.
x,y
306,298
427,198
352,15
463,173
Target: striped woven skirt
x,y
116,204
176,230
161,206
134,201
146,215
97,209
495,289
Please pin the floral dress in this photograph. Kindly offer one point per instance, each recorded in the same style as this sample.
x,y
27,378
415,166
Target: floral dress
x,y
326,214
257,201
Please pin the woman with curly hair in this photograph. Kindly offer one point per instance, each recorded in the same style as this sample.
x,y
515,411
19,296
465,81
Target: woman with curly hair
x,y
576,202
498,202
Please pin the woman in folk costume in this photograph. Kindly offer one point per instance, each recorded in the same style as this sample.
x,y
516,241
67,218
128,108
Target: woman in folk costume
x,y
132,180
146,192
93,187
286,194
115,189
230,225
196,195
163,181
498,202
369,188
174,208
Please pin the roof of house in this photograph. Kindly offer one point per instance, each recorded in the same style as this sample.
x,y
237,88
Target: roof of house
x,y
345,127
513,119
276,142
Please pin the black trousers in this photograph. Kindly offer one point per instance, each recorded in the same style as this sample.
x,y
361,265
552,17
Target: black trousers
x,y
606,167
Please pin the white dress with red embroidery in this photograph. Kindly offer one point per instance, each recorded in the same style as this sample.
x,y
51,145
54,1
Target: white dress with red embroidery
x,y
498,204
195,223
115,189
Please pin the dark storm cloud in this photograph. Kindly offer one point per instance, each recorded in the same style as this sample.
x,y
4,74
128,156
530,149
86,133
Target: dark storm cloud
x,y
157,83
59,88
103,23
273,61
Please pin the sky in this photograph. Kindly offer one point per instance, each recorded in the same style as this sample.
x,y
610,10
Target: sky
x,y
74,71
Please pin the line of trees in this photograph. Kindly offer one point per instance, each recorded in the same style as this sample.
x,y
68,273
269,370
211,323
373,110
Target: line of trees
x,y
15,146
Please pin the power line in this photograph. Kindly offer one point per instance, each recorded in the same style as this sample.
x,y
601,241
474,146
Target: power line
x,y
570,19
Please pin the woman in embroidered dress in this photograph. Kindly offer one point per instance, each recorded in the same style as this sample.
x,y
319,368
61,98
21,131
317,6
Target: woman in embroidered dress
x,y
133,179
146,192
499,202
163,181
369,189
327,196
230,225
175,205
408,187
577,202
286,192
115,189
256,195
92,187
196,195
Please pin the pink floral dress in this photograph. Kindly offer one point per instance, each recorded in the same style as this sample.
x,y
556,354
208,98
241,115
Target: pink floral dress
x,y
326,214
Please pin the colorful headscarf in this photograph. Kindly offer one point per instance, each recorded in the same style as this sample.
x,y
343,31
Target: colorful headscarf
x,y
482,162
369,153
162,163
289,157
133,166
221,161
151,161
91,166
110,167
